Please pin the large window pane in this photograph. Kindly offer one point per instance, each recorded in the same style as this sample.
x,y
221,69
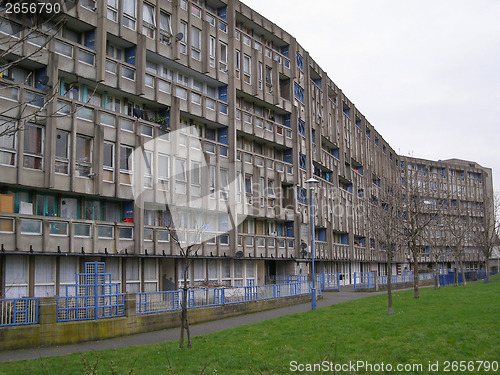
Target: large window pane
x,y
83,162
33,144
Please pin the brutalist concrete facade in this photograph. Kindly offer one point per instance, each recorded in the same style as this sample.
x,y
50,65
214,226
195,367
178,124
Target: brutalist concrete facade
x,y
122,82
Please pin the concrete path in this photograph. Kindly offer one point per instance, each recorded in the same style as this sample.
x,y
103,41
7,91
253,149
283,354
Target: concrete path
x,y
329,298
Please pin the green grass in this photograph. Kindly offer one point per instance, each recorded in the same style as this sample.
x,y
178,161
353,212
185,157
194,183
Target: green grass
x,y
450,324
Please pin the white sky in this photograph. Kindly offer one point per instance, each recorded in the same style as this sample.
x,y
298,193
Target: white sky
x,y
425,73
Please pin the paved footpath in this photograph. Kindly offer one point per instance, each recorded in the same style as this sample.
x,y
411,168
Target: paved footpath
x,y
329,298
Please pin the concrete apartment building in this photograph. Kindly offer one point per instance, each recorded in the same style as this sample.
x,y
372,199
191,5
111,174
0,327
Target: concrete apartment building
x,y
454,188
202,104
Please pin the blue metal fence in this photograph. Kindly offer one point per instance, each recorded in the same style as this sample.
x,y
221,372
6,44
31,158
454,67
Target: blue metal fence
x,y
364,280
285,279
93,296
328,281
168,301
18,311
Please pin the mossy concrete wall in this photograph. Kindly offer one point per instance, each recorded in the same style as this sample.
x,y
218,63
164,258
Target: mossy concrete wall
x,y
48,332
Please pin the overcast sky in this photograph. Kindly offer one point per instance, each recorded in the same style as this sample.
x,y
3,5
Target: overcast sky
x,y
425,73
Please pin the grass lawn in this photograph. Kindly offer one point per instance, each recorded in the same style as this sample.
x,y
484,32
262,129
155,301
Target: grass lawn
x,y
450,324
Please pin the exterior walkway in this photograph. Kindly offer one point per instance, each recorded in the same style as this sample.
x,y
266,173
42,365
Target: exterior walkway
x,y
329,298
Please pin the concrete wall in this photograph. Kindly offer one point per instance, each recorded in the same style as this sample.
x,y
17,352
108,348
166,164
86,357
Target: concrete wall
x,y
48,332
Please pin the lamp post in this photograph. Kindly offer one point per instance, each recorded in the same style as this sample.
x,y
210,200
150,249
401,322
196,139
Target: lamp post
x,y
312,183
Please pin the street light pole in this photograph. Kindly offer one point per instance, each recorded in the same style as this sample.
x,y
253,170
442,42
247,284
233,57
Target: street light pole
x,y
312,182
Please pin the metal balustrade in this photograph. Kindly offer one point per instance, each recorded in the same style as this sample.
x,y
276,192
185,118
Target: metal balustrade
x,y
172,300
93,296
18,311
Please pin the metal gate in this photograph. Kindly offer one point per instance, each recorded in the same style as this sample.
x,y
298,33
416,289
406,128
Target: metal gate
x,y
93,296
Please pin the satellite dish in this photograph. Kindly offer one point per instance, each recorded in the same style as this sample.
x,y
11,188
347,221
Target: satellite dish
x,y
179,36
239,254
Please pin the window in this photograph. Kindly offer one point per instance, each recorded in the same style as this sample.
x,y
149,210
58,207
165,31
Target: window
x,y
83,162
248,184
183,42
129,14
33,147
7,143
195,43
108,161
149,22
196,11
247,68
147,130
237,57
269,76
126,234
299,92
222,56
148,172
114,51
112,12
270,189
224,184
165,28
211,170
211,56
126,164
180,177
163,167
149,81
62,152
195,179
92,210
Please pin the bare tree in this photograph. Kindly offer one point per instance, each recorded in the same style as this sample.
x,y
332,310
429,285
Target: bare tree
x,y
385,224
486,234
188,241
417,216
437,240
457,224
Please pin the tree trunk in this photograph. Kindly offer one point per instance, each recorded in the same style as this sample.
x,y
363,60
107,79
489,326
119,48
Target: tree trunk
x,y
462,271
437,285
487,268
416,293
184,314
455,276
389,288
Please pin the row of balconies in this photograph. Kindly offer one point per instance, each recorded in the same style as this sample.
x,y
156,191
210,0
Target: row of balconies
x,y
38,234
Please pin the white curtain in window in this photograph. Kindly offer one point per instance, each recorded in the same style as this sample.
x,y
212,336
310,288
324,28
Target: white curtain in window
x,y
44,269
165,22
226,269
132,269
199,269
16,276
250,268
68,267
195,37
150,270
129,7
148,14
